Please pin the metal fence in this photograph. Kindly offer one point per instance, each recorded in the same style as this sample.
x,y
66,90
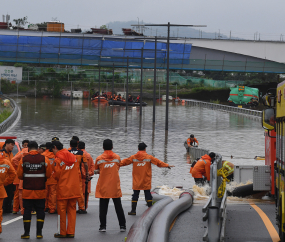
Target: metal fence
x,y
195,152
13,118
225,108
215,208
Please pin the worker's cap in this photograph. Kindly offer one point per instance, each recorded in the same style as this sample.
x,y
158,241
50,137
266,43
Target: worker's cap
x,y
55,139
43,146
107,144
192,136
142,146
212,155
75,138
56,144
33,144
48,145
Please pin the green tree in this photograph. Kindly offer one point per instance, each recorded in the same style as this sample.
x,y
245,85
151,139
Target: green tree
x,y
103,27
21,22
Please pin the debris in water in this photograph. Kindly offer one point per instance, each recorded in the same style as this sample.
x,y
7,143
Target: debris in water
x,y
174,193
201,192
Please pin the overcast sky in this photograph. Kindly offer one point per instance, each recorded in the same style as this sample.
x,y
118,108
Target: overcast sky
x,y
242,17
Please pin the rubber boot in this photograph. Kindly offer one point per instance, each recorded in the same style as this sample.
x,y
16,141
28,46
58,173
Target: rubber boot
x,y
134,207
27,226
149,203
40,225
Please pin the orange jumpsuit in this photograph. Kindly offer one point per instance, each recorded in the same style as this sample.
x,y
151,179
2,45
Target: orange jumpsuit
x,y
142,169
7,175
108,185
91,168
50,184
81,158
191,143
68,189
18,195
202,168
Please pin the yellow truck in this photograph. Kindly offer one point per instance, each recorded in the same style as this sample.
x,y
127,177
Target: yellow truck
x,y
273,121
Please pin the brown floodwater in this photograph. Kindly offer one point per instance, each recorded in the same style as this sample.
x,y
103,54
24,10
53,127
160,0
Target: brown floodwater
x,y
225,133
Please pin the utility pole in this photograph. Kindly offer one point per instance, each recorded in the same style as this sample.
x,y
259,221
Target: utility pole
x,y
168,25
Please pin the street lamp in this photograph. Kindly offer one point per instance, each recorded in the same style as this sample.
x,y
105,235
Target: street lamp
x,y
167,76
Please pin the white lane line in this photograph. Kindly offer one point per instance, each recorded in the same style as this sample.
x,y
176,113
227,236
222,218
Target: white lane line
x,y
12,220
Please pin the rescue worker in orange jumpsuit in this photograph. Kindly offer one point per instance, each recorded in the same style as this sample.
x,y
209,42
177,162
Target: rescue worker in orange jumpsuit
x,y
91,168
18,194
81,161
34,169
50,205
108,185
7,152
68,189
202,168
138,100
192,141
142,174
130,98
7,175
119,98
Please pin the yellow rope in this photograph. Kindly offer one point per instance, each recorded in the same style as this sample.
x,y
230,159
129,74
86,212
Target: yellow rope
x,y
222,187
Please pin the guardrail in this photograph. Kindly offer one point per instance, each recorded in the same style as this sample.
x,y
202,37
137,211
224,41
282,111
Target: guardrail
x,y
215,208
195,152
225,108
13,118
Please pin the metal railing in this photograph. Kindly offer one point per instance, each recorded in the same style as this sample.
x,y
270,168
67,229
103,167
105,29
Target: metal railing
x,y
195,152
215,208
13,118
225,108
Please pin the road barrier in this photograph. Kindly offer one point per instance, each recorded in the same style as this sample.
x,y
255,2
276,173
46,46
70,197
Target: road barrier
x,y
215,208
195,152
13,118
225,108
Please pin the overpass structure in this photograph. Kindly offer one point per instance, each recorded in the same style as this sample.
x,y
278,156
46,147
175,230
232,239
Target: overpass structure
x,y
108,50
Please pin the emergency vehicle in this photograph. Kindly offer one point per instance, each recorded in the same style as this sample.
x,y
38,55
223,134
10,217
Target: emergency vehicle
x,y
273,121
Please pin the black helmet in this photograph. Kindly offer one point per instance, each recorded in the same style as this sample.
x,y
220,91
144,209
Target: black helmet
x,y
192,136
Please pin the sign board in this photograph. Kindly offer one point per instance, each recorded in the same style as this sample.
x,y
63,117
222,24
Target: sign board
x,y
11,73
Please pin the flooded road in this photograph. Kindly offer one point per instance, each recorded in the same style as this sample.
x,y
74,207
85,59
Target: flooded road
x,y
225,133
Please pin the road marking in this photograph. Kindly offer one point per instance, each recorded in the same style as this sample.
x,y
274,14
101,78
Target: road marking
x,y
272,231
12,220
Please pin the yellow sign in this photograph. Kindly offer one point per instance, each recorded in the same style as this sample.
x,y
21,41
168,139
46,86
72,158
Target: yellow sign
x,y
280,104
239,106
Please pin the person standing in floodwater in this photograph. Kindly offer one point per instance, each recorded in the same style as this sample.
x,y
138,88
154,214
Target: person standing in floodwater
x,y
201,168
142,174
